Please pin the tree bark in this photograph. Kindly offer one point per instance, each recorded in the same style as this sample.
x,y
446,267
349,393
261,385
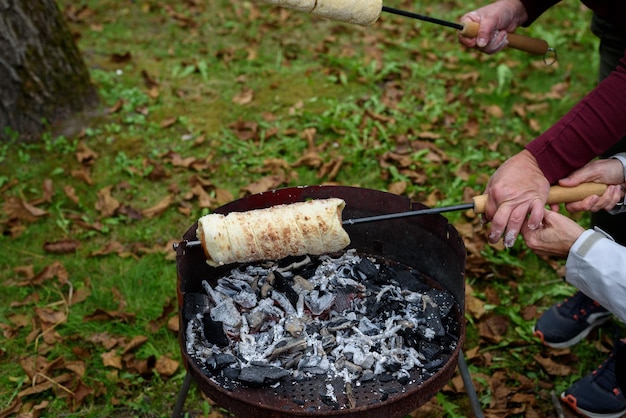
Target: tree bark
x,y
43,78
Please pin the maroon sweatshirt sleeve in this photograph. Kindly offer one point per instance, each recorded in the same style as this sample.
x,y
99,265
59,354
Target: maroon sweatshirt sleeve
x,y
534,8
590,128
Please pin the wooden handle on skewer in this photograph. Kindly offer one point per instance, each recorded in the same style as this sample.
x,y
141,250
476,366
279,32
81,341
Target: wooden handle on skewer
x,y
557,194
520,42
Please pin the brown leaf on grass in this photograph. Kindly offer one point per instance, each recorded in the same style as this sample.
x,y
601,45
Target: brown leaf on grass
x,y
107,341
309,159
83,174
159,208
54,270
166,123
397,187
56,382
148,80
70,192
48,190
244,97
223,196
552,367
79,393
135,343
106,204
166,366
204,199
245,130
493,328
264,184
78,367
140,366
50,316
102,315
84,154
168,308
13,408
473,305
173,324
112,359
330,169
39,365
112,247
120,58
17,208
64,246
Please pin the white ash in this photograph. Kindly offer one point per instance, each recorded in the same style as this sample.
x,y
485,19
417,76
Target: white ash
x,y
282,324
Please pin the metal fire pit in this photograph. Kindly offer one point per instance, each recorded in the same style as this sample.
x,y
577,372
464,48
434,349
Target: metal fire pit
x,y
427,243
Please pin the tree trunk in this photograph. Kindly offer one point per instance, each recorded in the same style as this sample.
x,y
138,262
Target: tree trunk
x,y
43,79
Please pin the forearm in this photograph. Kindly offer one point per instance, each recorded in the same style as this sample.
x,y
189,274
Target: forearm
x,y
588,270
592,126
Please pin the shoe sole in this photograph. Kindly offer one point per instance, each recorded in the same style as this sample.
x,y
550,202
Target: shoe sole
x,y
570,401
578,337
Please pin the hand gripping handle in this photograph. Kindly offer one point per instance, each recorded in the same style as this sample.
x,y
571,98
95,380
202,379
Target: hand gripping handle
x,y
520,42
557,194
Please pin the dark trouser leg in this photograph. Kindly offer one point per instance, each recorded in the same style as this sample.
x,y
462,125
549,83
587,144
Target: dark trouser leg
x,y
612,45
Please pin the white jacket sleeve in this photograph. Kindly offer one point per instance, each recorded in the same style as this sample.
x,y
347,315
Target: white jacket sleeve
x,y
596,265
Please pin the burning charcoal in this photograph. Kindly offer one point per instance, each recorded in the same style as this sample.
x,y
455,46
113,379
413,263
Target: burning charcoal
x,y
245,299
291,263
404,379
289,346
226,312
408,281
314,364
367,327
262,375
231,372
319,301
284,302
294,326
300,284
429,350
411,337
385,378
392,366
285,285
367,269
340,324
433,364
329,397
444,300
194,304
214,332
433,320
367,376
222,360
343,299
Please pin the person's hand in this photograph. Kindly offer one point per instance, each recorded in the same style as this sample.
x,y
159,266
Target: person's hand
x,y
555,236
610,172
516,190
495,20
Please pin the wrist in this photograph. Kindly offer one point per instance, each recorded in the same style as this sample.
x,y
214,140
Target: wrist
x,y
517,9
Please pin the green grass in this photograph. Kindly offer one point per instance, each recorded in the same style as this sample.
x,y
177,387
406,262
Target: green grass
x,y
365,92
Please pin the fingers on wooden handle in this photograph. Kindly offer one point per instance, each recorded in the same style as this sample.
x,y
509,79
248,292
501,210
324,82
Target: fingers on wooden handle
x,y
560,194
523,43
557,194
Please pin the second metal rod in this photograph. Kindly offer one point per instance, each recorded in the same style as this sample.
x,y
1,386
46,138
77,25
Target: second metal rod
x,y
422,17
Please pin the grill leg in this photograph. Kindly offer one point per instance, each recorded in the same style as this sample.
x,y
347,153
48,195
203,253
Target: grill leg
x,y
469,386
182,396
